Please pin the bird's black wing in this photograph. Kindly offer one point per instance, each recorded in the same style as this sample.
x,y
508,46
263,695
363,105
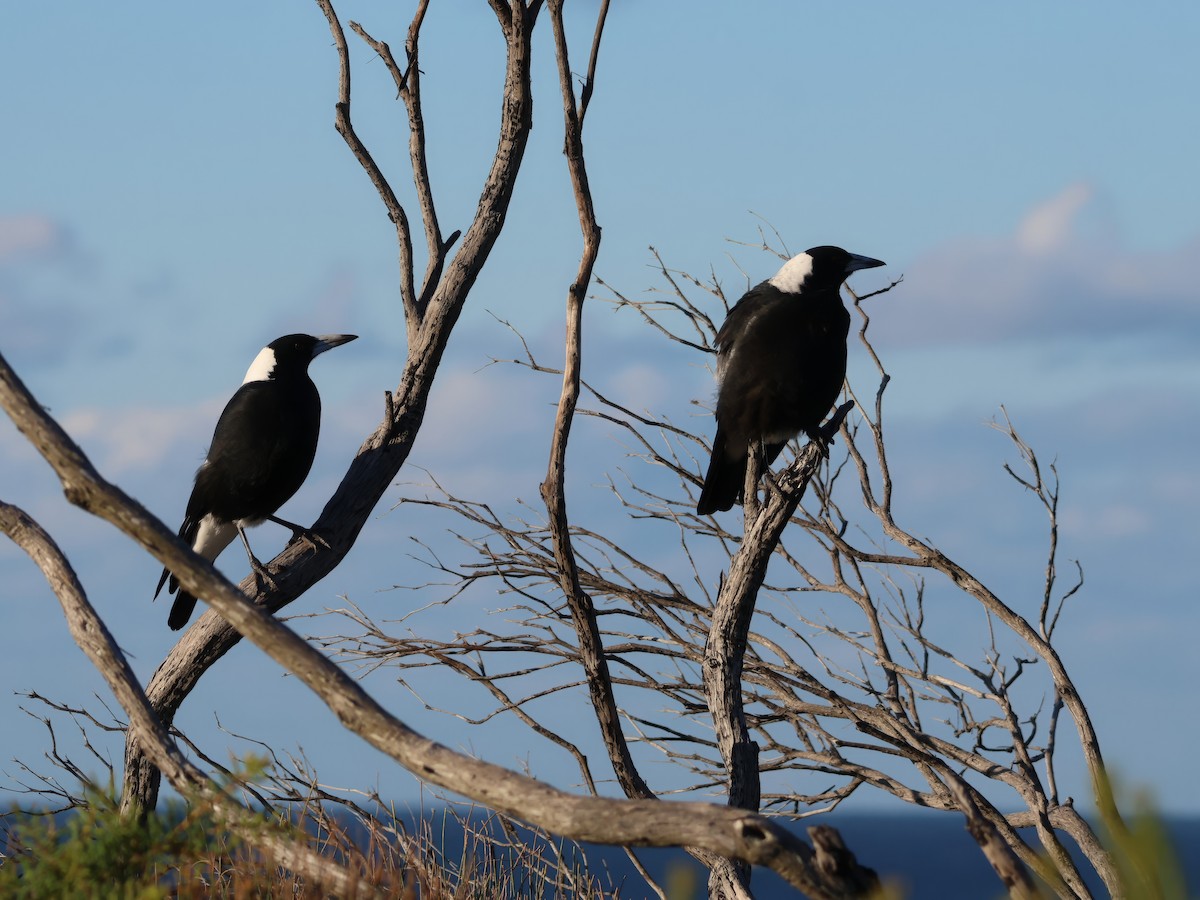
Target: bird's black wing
x,y
756,352
262,450
727,466
181,609
784,367
781,363
736,324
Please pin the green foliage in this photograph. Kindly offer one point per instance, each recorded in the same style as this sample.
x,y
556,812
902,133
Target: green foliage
x,y
1143,857
1146,860
94,852
682,883
182,851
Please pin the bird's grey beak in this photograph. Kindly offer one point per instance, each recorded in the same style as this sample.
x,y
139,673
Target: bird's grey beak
x,y
862,262
329,341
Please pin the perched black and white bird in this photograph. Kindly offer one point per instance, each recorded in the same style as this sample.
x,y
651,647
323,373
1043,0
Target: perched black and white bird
x,y
781,361
261,452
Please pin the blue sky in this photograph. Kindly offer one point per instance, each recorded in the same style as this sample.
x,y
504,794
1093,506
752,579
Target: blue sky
x,y
174,196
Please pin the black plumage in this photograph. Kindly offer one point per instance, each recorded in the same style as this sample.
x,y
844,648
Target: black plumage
x,y
262,450
781,361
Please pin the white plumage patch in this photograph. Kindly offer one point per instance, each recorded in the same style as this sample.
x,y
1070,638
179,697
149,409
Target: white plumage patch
x,y
212,537
792,275
262,367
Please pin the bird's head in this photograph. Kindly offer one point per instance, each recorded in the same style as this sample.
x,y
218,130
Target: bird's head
x,y
820,268
292,352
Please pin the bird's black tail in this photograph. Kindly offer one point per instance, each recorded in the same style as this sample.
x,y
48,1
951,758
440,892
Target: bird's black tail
x,y
161,581
724,481
185,603
181,610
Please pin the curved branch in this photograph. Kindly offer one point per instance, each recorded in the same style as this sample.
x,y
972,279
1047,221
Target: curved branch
x,y
395,210
583,612
408,89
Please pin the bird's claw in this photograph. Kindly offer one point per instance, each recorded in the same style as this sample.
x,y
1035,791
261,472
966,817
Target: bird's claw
x,y
261,575
823,438
315,541
299,532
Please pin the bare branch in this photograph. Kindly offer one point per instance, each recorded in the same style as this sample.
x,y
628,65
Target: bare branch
x,y
408,89
395,210
553,488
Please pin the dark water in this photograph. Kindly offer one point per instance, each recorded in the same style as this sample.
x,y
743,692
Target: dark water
x,y
925,855
928,856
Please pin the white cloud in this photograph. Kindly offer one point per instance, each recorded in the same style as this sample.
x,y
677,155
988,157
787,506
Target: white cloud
x,y
32,236
137,438
1056,276
1050,225
470,410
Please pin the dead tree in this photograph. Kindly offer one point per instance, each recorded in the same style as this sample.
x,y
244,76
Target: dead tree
x,y
432,306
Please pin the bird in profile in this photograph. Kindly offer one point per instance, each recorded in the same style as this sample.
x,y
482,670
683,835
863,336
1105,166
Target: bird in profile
x,y
781,361
261,452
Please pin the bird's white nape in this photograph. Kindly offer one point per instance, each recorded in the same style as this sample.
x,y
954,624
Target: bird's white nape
x,y
262,367
793,274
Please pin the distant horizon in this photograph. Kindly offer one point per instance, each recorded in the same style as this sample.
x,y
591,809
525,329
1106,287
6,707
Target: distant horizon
x,y
930,866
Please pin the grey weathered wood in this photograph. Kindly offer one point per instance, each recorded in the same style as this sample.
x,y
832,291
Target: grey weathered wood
x,y
725,651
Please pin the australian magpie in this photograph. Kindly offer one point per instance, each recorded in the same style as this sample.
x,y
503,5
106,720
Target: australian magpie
x,y
261,451
781,361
